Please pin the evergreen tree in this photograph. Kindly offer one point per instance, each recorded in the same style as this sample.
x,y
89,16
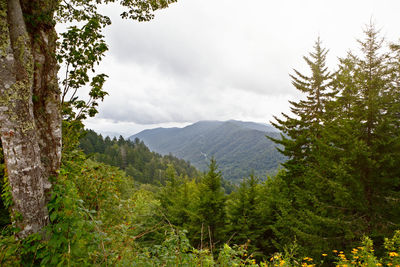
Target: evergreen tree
x,y
341,175
243,216
300,131
211,205
301,138
169,193
176,198
364,143
275,208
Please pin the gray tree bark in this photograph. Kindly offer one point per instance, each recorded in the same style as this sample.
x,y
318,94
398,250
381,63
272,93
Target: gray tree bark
x,y
30,118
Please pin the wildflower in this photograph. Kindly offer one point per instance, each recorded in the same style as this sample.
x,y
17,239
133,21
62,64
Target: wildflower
x,y
393,254
379,264
334,251
324,255
389,264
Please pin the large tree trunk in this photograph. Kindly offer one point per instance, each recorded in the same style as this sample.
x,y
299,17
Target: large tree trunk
x,y
30,120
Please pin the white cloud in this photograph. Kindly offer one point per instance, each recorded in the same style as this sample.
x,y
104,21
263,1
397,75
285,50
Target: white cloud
x,y
224,59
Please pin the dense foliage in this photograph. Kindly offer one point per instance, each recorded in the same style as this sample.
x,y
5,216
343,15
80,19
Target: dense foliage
x,y
100,217
343,146
122,205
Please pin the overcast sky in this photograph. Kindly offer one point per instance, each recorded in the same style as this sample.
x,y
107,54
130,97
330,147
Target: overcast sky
x,y
223,59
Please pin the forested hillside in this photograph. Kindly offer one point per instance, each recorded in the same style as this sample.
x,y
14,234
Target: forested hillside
x,y
134,158
239,147
138,162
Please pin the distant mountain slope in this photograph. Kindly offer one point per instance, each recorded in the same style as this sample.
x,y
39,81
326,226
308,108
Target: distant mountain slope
x,y
239,147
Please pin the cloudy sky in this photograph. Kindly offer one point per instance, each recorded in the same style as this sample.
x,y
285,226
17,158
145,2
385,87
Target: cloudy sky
x,y
223,59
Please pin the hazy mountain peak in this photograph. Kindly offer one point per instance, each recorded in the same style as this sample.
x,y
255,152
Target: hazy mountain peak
x,y
238,146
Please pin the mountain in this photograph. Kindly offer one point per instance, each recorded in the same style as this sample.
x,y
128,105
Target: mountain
x,y
239,147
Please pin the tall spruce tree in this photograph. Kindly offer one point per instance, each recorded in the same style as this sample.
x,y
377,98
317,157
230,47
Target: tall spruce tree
x,y
300,131
341,173
364,140
174,197
243,214
300,140
211,205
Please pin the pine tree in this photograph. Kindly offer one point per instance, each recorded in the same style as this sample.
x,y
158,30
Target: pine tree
x,y
364,140
348,185
301,138
243,214
211,205
170,195
300,131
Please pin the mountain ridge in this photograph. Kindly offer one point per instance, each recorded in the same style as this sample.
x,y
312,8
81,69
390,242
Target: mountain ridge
x,y
240,148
